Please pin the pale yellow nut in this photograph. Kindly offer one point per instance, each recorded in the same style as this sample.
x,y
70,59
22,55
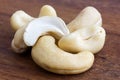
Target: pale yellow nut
x,y
19,19
47,10
50,57
86,18
18,44
91,39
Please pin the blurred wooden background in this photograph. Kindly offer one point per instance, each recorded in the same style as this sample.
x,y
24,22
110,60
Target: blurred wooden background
x,y
22,67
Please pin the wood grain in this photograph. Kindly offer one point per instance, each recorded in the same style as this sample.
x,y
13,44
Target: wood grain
x,y
22,67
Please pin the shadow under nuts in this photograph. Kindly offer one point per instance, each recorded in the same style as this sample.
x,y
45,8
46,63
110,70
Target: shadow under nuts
x,y
77,42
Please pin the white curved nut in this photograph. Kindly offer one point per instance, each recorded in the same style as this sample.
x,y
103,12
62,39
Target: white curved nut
x,y
47,55
90,39
18,44
44,25
47,10
18,22
19,19
87,17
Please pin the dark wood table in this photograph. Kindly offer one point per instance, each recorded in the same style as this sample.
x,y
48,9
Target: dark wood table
x,y
21,67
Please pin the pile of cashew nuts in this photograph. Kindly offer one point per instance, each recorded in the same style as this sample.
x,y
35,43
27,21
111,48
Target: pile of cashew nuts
x,y
57,47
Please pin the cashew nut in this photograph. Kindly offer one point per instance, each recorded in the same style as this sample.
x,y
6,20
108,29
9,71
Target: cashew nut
x,y
87,33
47,55
47,10
86,39
42,26
87,17
19,19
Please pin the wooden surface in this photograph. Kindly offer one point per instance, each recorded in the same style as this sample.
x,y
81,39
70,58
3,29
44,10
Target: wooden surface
x,y
22,67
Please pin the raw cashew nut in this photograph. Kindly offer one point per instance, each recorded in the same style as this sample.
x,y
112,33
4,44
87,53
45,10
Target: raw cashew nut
x,y
87,33
44,25
47,10
47,55
87,17
86,39
19,19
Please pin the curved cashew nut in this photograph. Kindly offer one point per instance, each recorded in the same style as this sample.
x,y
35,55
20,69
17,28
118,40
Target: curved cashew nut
x,y
87,17
44,25
18,21
88,33
47,55
90,39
